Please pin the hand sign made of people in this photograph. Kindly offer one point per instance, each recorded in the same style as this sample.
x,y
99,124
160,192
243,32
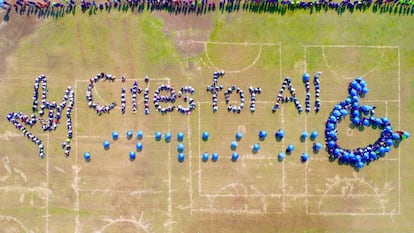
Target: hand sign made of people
x,y
360,116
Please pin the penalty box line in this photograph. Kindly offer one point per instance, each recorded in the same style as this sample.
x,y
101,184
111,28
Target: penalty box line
x,y
236,43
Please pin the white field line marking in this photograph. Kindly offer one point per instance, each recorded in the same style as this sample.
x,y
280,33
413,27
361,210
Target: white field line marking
x,y
278,195
190,178
76,169
280,62
222,195
235,211
141,224
233,71
306,167
378,196
386,108
305,59
343,77
282,120
130,192
352,214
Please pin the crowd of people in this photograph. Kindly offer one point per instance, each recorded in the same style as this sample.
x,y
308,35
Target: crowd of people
x,y
14,118
164,98
360,116
191,103
135,90
214,88
253,92
46,8
54,112
316,83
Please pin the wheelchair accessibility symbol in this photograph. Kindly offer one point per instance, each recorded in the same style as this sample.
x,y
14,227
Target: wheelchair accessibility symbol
x,y
360,116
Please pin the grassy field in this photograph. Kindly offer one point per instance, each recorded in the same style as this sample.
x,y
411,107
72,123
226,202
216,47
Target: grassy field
x,y
156,193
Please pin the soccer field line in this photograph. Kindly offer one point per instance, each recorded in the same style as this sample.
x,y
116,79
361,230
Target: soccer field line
x,y
13,219
278,195
199,148
76,168
354,214
233,71
284,184
235,211
343,77
47,185
190,178
306,167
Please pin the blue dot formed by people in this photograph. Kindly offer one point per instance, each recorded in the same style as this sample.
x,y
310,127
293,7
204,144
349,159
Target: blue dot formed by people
x,y
256,148
239,136
140,134
360,116
106,145
281,156
262,135
317,146
289,149
313,135
132,155
204,157
234,156
180,148
139,146
167,137
279,134
87,156
233,145
129,134
304,157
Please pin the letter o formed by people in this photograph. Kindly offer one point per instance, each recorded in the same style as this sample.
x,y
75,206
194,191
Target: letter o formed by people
x,y
360,117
